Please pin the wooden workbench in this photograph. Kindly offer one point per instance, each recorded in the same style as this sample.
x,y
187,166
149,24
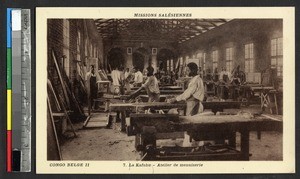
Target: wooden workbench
x,y
162,98
244,92
106,84
264,93
163,88
204,128
136,107
219,105
166,92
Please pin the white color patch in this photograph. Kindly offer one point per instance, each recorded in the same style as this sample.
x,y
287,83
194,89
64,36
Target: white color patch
x,y
16,19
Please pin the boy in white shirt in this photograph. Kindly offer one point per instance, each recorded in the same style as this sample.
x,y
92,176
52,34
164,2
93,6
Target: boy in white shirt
x,y
138,77
151,86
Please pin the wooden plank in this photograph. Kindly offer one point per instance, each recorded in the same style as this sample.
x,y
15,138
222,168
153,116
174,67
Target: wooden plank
x,y
165,105
159,105
86,121
162,98
54,129
163,88
60,78
70,92
208,123
154,116
49,84
74,101
65,112
115,107
262,88
214,119
221,104
215,125
273,117
171,135
67,116
96,125
58,114
167,92
200,157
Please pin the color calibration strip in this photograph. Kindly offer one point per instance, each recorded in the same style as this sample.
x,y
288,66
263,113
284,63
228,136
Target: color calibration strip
x,y
9,92
18,90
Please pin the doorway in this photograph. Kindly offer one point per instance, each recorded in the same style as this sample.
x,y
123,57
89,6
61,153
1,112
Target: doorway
x,y
115,58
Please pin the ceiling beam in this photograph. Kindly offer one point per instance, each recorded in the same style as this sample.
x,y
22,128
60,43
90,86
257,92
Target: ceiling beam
x,y
176,30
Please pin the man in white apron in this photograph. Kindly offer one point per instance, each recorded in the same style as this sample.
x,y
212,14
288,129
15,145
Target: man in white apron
x,y
91,79
194,93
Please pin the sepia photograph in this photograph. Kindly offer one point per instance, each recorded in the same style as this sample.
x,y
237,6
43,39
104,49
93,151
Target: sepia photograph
x,y
158,91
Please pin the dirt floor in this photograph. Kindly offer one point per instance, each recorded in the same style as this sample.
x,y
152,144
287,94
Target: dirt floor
x,y
99,143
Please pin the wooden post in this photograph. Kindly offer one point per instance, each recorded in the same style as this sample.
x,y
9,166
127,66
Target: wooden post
x,y
232,139
245,144
123,121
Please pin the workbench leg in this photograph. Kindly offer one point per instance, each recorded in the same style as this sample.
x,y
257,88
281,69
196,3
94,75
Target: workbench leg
x,y
276,105
245,144
232,140
261,102
106,105
123,121
222,93
258,134
269,103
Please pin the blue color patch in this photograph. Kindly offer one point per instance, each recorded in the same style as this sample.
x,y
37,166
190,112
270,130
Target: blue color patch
x,y
8,25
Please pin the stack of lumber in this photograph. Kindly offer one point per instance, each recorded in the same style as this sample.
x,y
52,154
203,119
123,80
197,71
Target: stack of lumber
x,y
66,98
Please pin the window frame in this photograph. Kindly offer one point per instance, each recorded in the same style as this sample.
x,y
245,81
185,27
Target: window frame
x,y
277,55
229,54
249,58
215,59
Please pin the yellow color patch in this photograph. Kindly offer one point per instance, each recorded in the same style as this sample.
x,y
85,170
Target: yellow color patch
x,y
9,112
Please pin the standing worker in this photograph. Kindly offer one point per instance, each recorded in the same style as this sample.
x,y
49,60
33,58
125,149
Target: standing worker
x,y
122,80
194,93
127,80
151,86
127,73
116,80
92,89
138,77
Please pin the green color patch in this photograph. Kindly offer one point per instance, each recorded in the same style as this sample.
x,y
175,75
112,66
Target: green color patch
x,y
8,67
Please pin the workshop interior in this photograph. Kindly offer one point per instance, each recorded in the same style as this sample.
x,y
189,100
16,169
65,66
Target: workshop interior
x,y
165,89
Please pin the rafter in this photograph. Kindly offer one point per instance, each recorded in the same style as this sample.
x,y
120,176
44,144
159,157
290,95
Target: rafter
x,y
176,30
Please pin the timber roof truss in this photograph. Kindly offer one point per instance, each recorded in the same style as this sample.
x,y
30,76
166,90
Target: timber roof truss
x,y
173,30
